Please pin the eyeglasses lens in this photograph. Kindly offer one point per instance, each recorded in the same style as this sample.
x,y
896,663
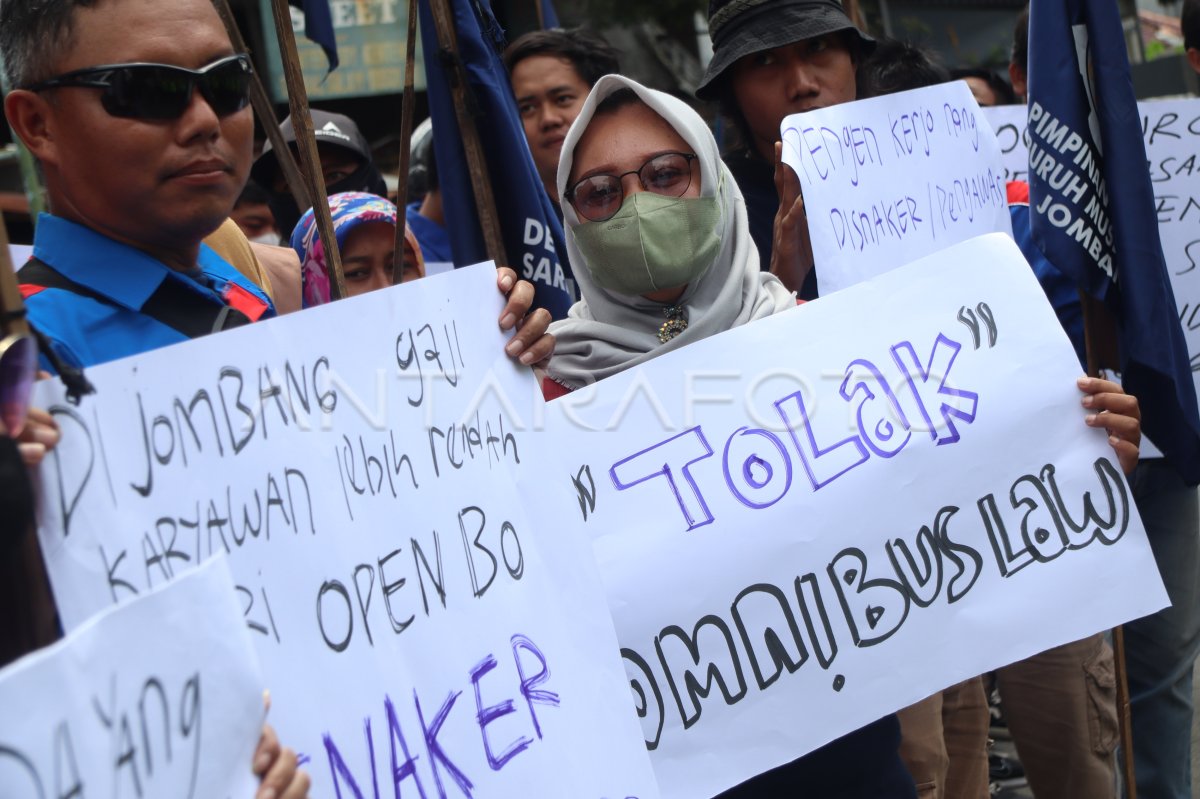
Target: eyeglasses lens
x,y
599,197
226,87
153,92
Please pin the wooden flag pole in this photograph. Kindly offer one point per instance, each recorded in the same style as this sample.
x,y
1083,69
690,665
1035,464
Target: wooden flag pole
x,y
1103,352
306,144
1124,716
541,15
485,202
407,109
265,112
854,12
11,304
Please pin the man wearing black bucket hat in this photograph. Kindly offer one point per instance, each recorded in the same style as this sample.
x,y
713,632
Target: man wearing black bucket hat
x,y
772,58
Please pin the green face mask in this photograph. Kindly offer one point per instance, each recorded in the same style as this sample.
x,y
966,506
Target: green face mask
x,y
652,243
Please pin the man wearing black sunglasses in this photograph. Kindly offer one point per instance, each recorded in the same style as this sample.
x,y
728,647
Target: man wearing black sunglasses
x,y
139,119
137,112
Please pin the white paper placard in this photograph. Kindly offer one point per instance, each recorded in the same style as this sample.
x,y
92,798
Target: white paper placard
x,y
891,179
824,516
1010,125
161,696
358,463
19,253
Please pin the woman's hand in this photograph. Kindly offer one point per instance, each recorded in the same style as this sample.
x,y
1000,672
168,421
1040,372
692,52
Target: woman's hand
x,y
531,344
791,248
276,766
1117,413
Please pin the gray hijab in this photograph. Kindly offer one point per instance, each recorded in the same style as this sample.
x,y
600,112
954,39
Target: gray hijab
x,y
607,332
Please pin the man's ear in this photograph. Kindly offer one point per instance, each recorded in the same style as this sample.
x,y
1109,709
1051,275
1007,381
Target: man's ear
x,y
1193,57
32,118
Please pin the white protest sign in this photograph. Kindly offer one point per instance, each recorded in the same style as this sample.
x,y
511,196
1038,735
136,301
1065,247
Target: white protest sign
x,y
1010,125
416,624
19,253
891,179
1171,134
826,515
159,697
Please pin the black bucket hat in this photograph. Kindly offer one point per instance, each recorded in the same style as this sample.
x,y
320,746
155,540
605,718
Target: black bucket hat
x,y
741,27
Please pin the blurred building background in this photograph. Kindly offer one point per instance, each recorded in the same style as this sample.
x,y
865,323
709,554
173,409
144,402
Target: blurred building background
x,y
664,44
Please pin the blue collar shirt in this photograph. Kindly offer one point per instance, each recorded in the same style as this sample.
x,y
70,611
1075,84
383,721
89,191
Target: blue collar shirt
x,y
85,330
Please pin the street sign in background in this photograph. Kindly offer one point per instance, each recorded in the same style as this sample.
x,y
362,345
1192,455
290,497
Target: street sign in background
x,y
370,43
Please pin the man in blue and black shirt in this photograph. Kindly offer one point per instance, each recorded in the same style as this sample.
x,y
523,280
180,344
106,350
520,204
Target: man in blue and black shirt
x,y
145,142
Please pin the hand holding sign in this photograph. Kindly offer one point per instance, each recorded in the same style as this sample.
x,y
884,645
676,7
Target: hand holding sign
x,y
1118,414
531,343
276,766
791,252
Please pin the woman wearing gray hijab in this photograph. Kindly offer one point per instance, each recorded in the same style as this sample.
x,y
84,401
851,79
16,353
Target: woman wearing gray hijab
x,y
688,232
658,229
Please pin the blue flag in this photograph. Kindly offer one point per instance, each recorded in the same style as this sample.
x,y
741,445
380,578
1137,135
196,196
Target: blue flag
x,y
1092,208
549,15
532,230
318,27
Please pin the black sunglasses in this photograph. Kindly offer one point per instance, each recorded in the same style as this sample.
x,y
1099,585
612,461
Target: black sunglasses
x,y
162,91
599,197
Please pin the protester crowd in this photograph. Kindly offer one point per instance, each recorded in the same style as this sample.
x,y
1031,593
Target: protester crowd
x,y
140,124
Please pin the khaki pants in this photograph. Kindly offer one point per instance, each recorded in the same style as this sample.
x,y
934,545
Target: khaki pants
x,y
944,742
1062,711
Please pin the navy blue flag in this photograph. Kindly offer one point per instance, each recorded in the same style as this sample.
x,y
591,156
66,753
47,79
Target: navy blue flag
x,y
533,234
318,27
1092,208
549,15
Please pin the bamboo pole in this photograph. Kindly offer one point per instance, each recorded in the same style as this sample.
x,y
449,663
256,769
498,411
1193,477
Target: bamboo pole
x,y
485,202
407,109
11,304
854,12
265,111
1102,349
306,144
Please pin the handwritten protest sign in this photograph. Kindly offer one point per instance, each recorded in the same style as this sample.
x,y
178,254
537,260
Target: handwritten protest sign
x,y
892,179
420,630
1012,136
1171,133
796,540
155,698
19,253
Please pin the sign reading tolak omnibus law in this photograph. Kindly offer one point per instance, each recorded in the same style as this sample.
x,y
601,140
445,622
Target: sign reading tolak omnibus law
x,y
421,631
161,696
796,541
370,42
892,179
1171,133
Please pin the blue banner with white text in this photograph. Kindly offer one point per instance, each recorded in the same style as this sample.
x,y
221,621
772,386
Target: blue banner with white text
x,y
1092,208
533,234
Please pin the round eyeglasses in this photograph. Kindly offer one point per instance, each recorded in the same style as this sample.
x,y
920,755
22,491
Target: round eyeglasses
x,y
599,197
